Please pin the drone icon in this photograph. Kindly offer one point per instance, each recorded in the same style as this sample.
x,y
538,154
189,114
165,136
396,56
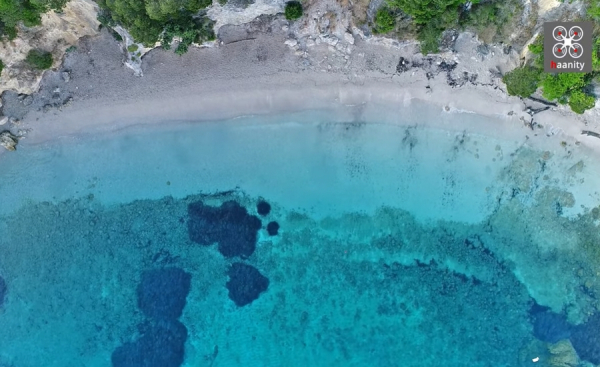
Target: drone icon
x,y
568,42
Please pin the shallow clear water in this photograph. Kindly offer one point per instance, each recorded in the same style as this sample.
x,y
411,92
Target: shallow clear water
x,y
398,245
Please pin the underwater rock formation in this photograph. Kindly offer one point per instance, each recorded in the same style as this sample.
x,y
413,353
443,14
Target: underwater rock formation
x,y
263,208
229,225
245,284
586,340
273,228
550,327
162,293
161,345
3,290
562,354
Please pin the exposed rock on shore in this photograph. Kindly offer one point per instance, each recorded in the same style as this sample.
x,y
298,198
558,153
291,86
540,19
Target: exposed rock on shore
x,y
56,33
8,140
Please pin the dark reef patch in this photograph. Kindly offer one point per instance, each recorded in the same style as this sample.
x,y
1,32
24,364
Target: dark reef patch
x,y
245,284
550,327
229,225
161,345
586,339
162,293
3,290
263,208
273,228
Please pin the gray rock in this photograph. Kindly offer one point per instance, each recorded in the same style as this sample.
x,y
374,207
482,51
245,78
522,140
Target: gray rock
x,y
65,76
8,140
3,120
27,100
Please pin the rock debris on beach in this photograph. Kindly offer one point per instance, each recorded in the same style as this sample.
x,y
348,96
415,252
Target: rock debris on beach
x,y
8,140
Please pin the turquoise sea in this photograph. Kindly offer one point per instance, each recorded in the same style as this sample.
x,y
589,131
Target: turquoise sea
x,y
300,240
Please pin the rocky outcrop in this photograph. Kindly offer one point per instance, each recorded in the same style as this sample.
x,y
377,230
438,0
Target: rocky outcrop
x,y
56,33
8,140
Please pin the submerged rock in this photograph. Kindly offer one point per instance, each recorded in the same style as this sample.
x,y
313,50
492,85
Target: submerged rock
x,y
263,208
586,340
162,293
562,354
3,290
245,284
161,345
273,228
229,225
8,140
551,327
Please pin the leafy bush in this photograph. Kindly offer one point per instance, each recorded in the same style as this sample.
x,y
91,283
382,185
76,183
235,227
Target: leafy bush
x,y
492,20
537,46
580,101
151,21
39,59
190,31
422,11
522,82
293,10
558,87
429,36
385,21
1,66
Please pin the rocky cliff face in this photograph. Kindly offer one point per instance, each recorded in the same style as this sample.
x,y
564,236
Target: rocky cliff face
x,y
57,32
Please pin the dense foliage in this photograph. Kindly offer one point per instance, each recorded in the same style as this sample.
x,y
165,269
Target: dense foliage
x,y
565,88
1,66
491,20
385,21
522,82
27,11
580,101
39,59
151,21
293,10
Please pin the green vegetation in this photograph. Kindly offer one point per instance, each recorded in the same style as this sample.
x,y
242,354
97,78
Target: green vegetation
x,y
491,20
151,21
385,20
293,10
27,11
1,66
559,86
39,59
579,101
522,82
132,48
71,49
565,88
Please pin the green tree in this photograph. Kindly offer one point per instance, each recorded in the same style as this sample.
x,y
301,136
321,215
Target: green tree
x,y
293,10
422,11
537,47
580,101
558,86
522,82
385,20
39,59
